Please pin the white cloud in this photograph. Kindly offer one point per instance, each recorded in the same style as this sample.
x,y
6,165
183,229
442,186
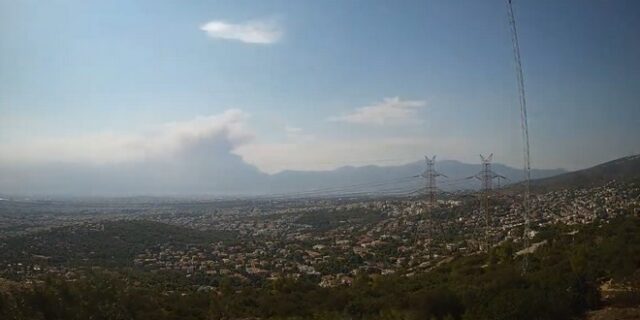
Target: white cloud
x,y
389,111
255,32
164,141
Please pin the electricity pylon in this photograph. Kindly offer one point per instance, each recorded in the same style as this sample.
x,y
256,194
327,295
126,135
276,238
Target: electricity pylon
x,y
431,174
431,189
486,176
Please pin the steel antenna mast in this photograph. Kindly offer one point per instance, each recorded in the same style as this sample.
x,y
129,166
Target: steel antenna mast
x,y
525,129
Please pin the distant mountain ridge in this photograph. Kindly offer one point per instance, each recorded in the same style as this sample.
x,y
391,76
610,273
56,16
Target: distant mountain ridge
x,y
373,178
231,176
622,169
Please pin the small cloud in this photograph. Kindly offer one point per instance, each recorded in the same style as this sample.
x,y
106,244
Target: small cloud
x,y
389,111
255,32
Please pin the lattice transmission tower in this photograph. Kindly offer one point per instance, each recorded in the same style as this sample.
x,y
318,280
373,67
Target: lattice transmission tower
x,y
430,175
486,176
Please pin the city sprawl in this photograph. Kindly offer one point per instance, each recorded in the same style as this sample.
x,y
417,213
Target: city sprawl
x,y
329,241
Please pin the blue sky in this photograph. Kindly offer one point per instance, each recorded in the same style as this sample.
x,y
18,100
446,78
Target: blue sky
x,y
318,84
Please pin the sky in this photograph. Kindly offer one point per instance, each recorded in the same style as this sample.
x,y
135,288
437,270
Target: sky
x,y
314,85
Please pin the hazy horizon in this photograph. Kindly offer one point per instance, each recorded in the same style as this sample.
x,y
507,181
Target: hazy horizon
x,y
165,93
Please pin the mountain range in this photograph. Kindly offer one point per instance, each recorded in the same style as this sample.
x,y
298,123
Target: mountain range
x,y
400,178
232,176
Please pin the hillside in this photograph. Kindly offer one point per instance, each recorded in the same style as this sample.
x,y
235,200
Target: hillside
x,y
564,281
623,169
111,243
